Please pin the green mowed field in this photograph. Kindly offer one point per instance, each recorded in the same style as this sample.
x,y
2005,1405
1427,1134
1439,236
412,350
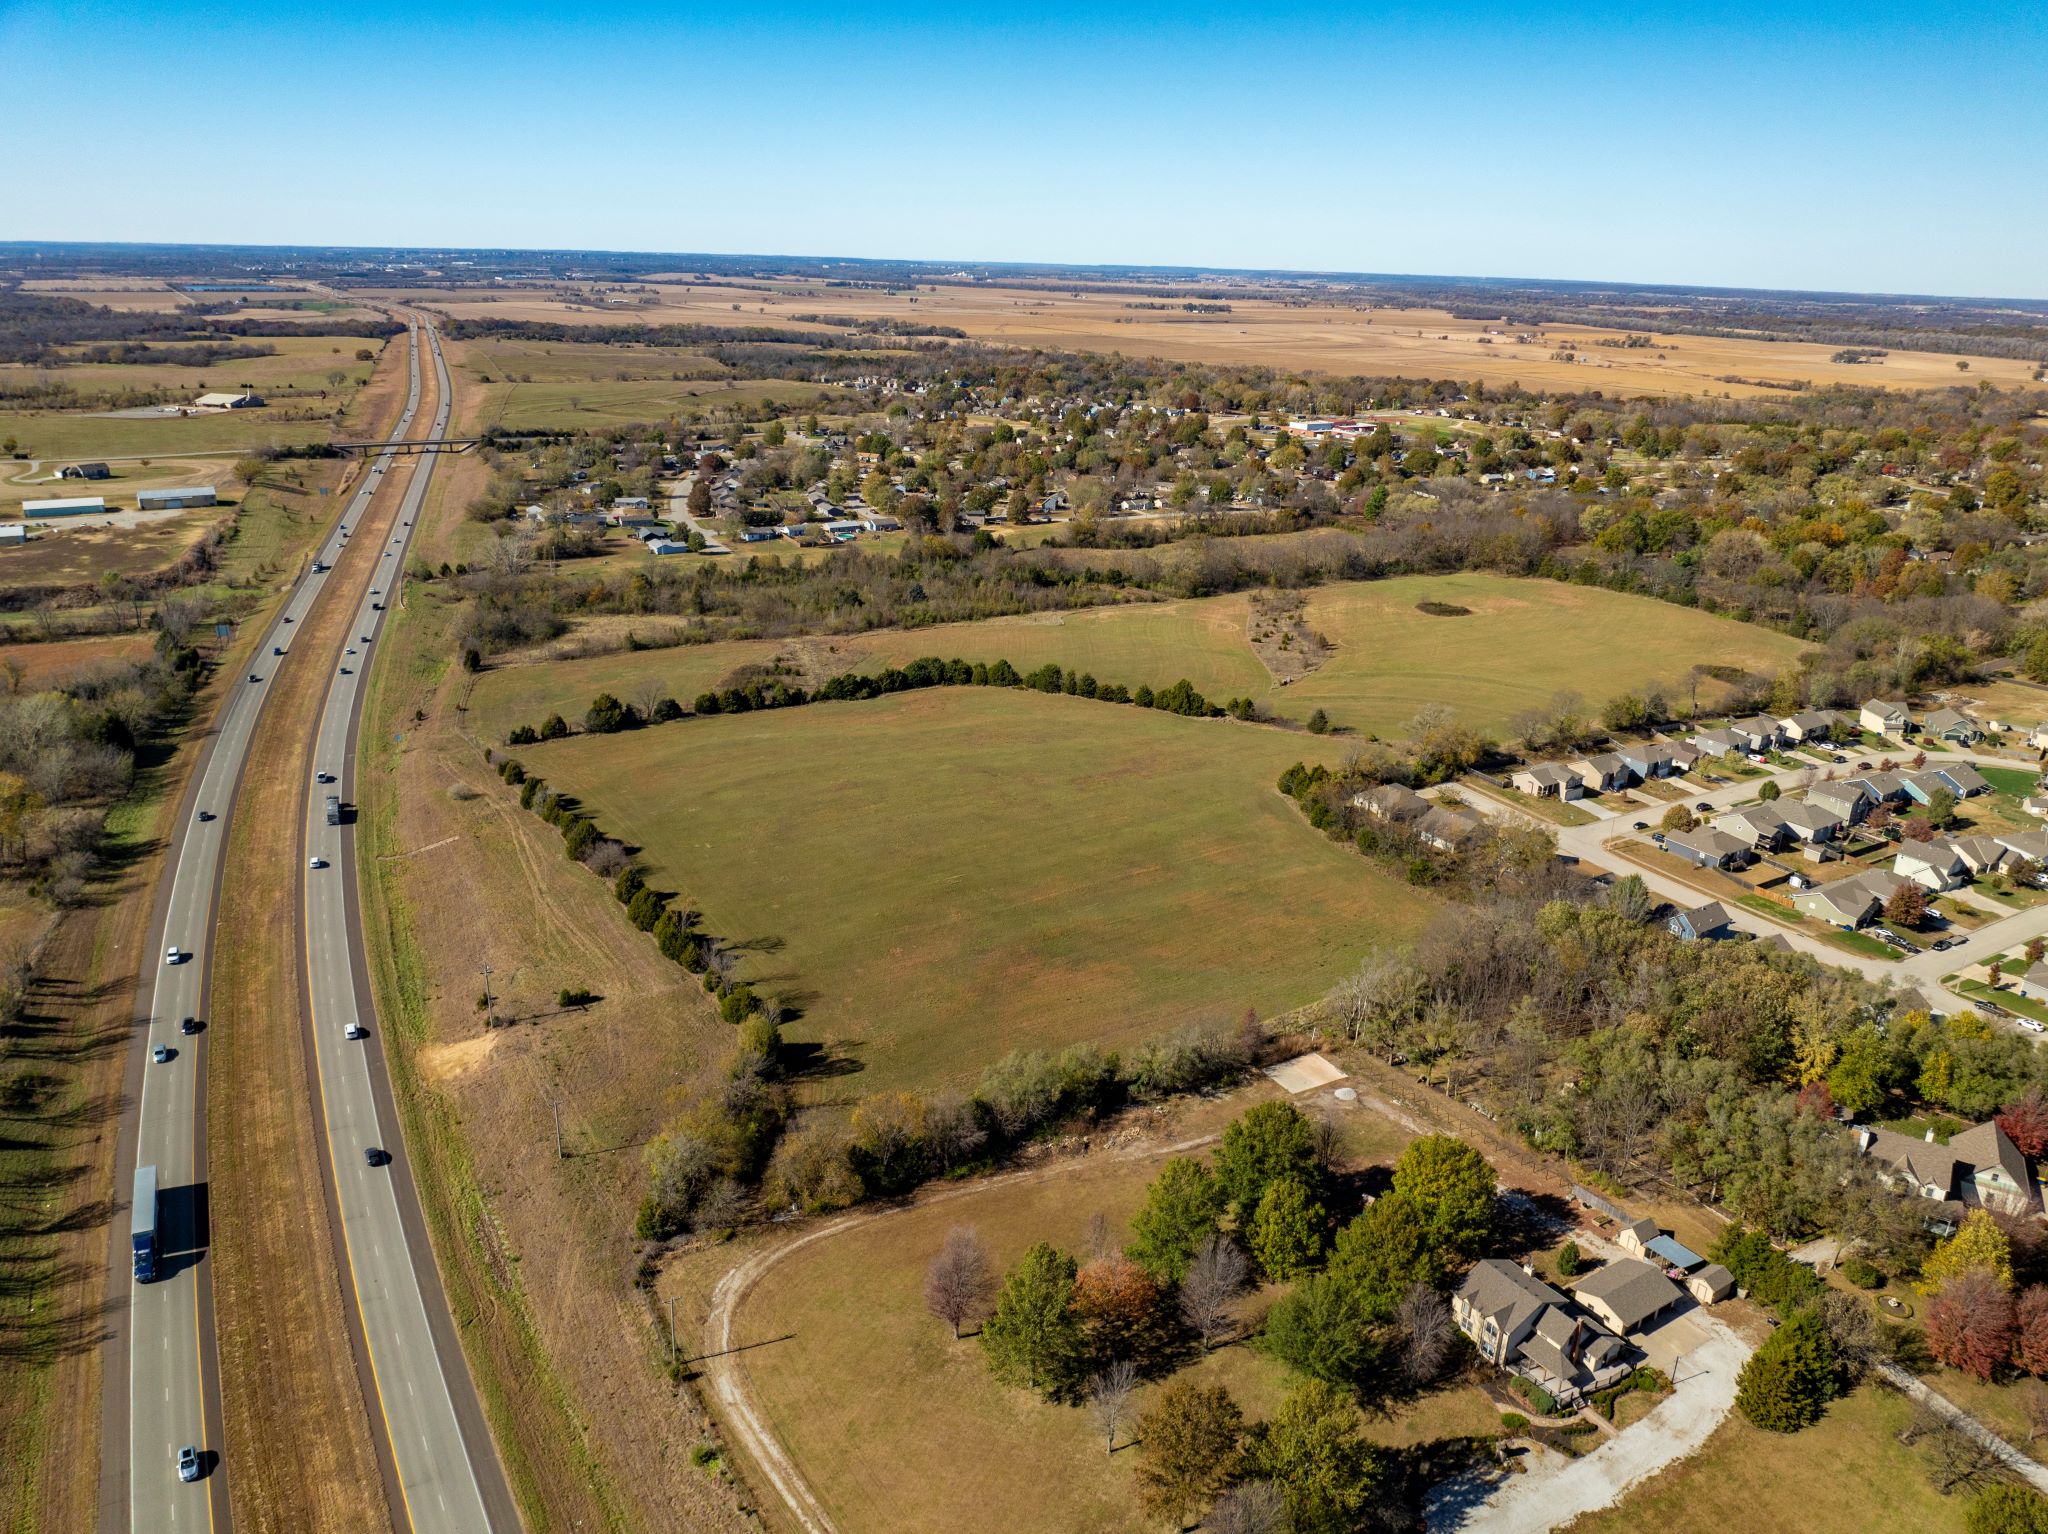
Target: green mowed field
x,y
897,1426
1523,641
544,362
937,878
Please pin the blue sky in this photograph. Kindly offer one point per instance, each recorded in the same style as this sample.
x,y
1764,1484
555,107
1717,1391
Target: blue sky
x,y
1872,147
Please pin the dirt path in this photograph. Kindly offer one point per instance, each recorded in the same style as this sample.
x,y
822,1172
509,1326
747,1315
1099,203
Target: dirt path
x,y
724,1363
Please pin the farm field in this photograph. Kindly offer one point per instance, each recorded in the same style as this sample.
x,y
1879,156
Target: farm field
x,y
1390,660
19,482
1328,337
46,665
896,1426
958,873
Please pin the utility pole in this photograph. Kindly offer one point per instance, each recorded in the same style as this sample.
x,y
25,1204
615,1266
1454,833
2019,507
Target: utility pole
x,y
671,1331
558,1129
486,971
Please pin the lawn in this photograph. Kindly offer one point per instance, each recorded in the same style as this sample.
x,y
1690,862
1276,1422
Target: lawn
x,y
1523,641
51,434
2013,782
1848,1474
938,877
896,1426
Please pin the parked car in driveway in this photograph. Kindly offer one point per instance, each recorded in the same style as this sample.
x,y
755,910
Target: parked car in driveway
x,y
2033,1025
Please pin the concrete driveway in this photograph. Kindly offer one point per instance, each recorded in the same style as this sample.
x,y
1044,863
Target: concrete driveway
x,y
1555,1490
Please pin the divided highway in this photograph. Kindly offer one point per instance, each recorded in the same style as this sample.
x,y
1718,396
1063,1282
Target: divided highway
x,y
173,1382
447,1470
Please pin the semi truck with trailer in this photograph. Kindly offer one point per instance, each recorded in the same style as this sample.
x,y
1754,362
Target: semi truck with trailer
x,y
142,1224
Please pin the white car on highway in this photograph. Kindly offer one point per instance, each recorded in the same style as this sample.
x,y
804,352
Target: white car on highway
x,y
175,955
316,861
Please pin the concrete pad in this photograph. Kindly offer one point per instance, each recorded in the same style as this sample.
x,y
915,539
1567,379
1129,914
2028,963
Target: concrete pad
x,y
1304,1073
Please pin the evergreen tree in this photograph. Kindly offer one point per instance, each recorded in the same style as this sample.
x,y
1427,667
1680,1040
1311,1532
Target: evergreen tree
x,y
1788,1381
1321,1329
1286,1237
1034,1336
1181,1210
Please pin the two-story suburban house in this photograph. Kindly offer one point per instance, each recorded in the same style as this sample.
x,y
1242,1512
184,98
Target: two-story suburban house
x,y
1882,717
1980,1167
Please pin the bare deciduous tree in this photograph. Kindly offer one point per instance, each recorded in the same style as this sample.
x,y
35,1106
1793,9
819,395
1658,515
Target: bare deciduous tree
x,y
1957,1460
1214,1278
960,1281
1256,1507
1423,1322
1109,1399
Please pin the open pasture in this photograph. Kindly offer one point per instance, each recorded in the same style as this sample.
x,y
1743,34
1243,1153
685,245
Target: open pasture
x,y
1521,642
1330,337
937,878
55,436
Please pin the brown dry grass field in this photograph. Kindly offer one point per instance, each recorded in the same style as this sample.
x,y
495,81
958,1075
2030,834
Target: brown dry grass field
x,y
896,1426
1321,337
46,665
536,1252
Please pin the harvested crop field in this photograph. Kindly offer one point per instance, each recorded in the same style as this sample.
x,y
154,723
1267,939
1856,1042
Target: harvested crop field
x,y
936,878
1328,337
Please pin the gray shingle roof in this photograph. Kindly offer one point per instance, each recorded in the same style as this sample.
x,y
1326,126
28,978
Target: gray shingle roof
x,y
1633,1290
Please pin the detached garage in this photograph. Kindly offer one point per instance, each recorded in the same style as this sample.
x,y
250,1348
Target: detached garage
x,y
176,500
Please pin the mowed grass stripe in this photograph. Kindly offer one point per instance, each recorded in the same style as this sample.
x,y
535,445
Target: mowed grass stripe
x,y
936,878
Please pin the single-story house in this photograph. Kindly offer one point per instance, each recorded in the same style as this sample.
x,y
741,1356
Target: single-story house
x,y
1757,824
1719,742
1646,762
1847,802
85,471
1881,717
1883,787
1965,780
1636,1236
1390,801
1980,854
630,503
1444,829
1808,821
1702,921
1706,847
666,546
1813,724
1684,755
1544,780
1711,1284
1950,725
1849,903
2037,737
1627,1293
2032,845
1979,1166
1759,732
1921,787
1936,864
2034,982
1601,773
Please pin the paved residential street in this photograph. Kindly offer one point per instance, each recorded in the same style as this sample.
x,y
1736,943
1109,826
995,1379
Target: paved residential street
x,y
1924,970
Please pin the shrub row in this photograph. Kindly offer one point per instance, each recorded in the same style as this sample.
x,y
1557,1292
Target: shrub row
x,y
607,713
